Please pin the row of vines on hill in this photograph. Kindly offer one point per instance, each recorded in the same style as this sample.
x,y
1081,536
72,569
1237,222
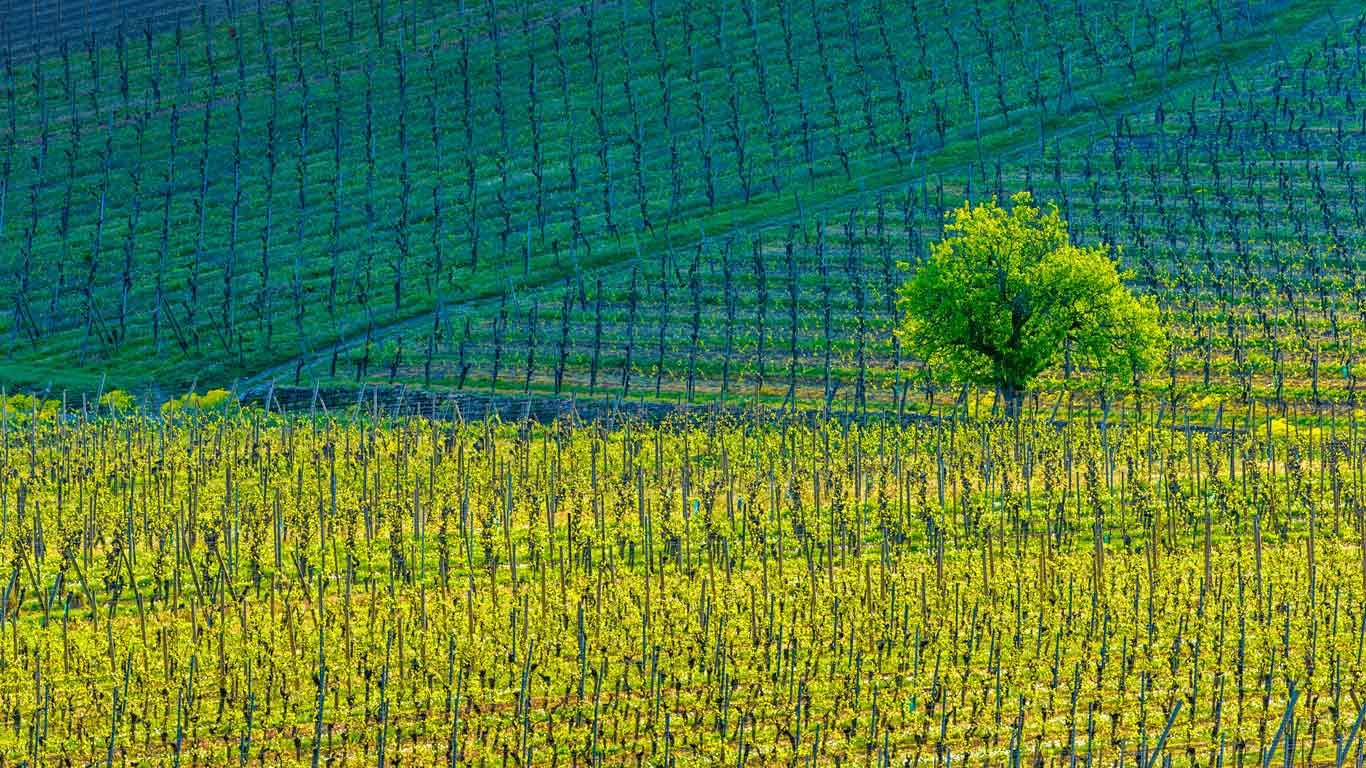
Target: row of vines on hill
x,y
1246,235
253,185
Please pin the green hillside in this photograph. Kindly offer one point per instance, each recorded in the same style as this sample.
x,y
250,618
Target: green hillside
x,y
1235,196
233,198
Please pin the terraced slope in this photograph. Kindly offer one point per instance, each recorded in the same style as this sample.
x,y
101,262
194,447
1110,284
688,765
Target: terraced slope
x,y
242,197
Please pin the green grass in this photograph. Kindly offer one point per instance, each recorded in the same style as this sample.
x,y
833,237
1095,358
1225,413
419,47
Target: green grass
x,y
286,315
1234,237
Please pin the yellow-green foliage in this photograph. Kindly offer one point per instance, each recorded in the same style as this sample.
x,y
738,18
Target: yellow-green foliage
x,y
117,401
822,593
213,401
21,408
1006,295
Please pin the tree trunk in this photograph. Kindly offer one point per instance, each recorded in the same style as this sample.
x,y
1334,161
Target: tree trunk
x,y
1013,397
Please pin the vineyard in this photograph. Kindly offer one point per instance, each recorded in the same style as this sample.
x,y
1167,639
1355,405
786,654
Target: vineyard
x,y
1240,210
231,587
403,382
665,198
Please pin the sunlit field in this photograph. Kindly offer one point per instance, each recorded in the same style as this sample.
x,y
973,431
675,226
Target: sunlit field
x,y
225,587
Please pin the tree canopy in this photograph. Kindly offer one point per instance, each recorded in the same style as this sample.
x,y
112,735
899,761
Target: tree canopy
x,y
1006,295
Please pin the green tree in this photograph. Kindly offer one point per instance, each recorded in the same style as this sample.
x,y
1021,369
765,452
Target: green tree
x,y
1005,295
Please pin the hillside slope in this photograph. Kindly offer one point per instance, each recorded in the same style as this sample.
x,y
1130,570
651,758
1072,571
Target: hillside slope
x,y
1233,193
341,191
